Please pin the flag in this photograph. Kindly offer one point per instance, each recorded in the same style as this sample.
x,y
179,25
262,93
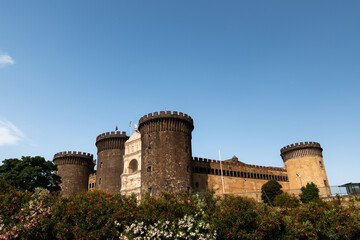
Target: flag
x,y
165,110
116,128
130,124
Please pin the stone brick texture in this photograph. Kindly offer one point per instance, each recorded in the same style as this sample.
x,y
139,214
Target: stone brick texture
x,y
74,169
110,164
166,152
167,164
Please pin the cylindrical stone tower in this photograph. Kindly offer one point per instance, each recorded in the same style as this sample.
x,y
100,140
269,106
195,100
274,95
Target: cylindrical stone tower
x,y
165,152
74,169
111,149
304,164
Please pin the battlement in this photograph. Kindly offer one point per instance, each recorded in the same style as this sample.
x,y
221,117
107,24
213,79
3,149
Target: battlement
x,y
74,154
73,158
300,145
158,122
168,114
302,149
231,162
237,169
113,134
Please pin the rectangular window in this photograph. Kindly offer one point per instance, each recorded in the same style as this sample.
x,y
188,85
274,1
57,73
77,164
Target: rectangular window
x,y
149,169
325,183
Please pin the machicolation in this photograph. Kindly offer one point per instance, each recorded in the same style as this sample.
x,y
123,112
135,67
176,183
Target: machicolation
x,y
159,158
301,150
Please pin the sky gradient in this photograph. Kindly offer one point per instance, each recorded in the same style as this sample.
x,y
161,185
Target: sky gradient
x,y
254,75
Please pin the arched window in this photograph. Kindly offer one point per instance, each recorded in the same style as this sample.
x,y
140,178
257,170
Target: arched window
x,y
133,166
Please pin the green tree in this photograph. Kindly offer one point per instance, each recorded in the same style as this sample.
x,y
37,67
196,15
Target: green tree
x,y
270,190
309,193
286,200
29,173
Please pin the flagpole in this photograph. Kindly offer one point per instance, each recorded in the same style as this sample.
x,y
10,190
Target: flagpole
x,y
130,124
222,176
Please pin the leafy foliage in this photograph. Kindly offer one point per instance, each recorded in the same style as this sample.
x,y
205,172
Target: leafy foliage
x,y
29,173
98,215
174,216
234,217
309,193
11,202
270,190
92,215
286,200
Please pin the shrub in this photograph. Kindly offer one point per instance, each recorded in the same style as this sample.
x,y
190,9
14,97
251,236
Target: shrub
x,y
97,215
167,207
270,190
234,217
11,203
31,221
322,221
309,193
174,216
270,224
93,215
286,200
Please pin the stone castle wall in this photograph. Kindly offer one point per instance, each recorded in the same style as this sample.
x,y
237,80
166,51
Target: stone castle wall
x,y
304,164
74,169
165,152
159,158
111,149
238,177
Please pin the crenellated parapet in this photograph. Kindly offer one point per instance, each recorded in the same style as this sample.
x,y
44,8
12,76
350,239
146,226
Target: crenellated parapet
x,y
169,121
111,140
229,162
237,169
299,150
73,158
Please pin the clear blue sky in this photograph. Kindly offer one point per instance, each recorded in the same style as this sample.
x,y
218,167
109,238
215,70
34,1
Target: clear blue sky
x,y
254,75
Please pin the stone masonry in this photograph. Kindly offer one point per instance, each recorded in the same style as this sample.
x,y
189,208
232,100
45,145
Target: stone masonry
x,y
158,158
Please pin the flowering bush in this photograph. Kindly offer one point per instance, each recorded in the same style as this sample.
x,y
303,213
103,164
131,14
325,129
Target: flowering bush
x,y
173,216
184,215
93,215
323,221
269,223
31,221
184,228
234,217
11,203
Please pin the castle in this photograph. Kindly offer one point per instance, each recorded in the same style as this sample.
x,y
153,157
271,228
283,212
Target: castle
x,y
158,157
